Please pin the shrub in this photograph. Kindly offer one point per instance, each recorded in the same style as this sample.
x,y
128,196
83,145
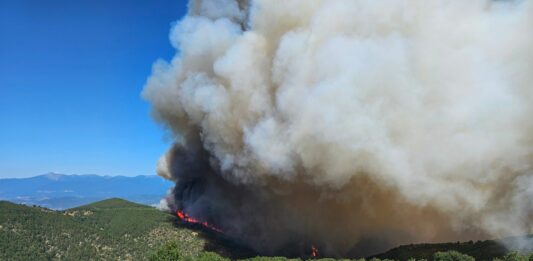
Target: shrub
x,y
264,258
452,256
515,256
210,256
168,252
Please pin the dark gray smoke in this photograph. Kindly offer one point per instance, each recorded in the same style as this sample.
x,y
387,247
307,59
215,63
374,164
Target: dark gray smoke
x,y
352,125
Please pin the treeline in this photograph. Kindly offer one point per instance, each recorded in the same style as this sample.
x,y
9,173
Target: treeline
x,y
173,251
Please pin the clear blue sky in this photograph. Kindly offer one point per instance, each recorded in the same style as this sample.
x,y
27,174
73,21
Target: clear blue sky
x,y
71,73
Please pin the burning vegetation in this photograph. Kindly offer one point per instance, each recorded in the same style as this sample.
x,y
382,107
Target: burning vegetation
x,y
314,251
186,218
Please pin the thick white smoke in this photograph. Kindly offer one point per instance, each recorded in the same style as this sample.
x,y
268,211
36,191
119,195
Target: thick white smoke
x,y
343,122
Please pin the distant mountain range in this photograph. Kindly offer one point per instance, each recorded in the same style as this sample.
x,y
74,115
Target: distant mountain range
x,y
60,191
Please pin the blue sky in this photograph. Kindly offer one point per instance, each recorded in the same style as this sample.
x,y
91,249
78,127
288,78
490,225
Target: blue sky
x,y
71,73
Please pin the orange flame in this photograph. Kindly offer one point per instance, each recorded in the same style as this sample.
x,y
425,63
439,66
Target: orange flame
x,y
186,218
314,251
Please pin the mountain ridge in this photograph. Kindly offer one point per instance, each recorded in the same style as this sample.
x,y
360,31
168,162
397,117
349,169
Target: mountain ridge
x,y
62,191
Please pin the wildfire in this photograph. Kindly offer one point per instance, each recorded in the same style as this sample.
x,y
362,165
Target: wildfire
x,y
314,251
186,218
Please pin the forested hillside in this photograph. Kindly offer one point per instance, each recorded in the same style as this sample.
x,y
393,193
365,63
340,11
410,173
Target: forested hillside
x,y
111,229
117,229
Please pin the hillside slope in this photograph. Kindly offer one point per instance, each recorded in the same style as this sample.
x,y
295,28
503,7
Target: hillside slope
x,y
111,229
480,250
116,229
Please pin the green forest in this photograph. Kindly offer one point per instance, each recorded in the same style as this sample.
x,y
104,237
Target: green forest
x,y
117,229
113,229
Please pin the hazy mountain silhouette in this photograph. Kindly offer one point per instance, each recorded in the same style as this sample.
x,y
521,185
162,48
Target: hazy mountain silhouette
x,y
59,191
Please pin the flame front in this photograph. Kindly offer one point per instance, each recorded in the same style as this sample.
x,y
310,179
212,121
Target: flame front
x,y
314,251
186,218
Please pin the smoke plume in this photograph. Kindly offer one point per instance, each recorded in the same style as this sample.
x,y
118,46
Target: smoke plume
x,y
352,125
